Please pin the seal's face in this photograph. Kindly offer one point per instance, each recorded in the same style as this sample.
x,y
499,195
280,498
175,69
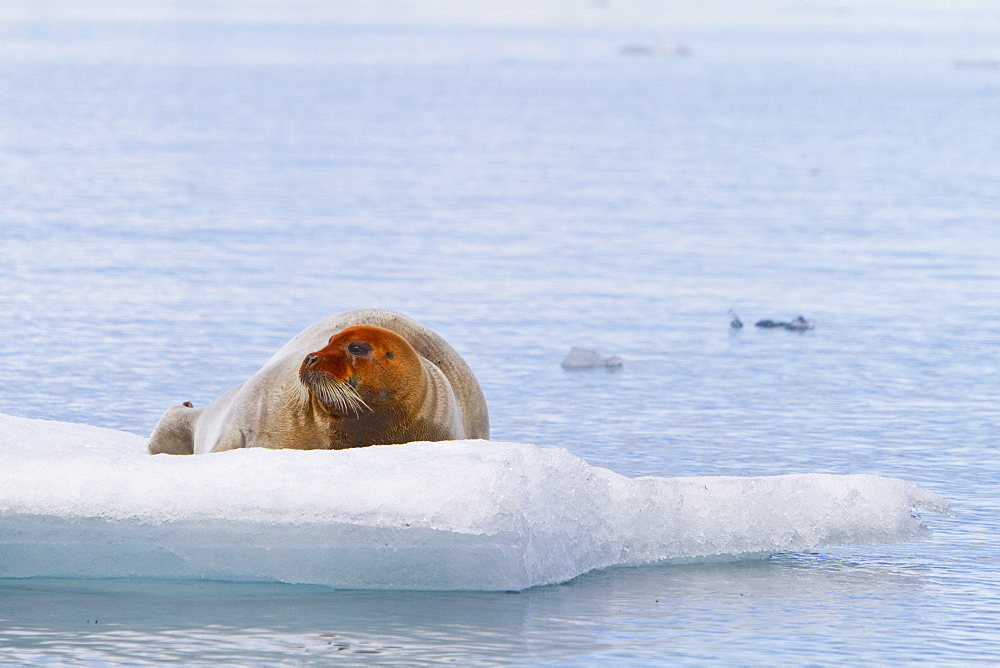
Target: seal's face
x,y
361,368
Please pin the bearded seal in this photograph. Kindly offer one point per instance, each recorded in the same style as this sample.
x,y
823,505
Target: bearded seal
x,y
363,377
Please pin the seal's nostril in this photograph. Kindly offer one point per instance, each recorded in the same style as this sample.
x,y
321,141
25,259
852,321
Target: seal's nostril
x,y
311,359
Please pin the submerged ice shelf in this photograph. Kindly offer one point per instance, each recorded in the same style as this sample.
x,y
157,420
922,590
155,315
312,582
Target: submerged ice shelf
x,y
81,501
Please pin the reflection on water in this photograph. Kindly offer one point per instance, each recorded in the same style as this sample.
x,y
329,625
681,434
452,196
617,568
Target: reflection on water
x,y
685,612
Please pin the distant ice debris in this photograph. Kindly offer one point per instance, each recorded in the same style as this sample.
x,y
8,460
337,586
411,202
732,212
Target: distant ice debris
x,y
656,50
83,502
800,324
581,358
980,64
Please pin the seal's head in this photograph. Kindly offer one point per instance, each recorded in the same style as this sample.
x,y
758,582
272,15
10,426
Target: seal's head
x,y
362,369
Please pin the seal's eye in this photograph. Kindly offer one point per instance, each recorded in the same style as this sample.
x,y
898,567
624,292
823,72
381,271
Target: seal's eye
x,y
358,348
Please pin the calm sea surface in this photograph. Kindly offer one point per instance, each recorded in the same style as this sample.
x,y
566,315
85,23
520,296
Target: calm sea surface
x,y
185,187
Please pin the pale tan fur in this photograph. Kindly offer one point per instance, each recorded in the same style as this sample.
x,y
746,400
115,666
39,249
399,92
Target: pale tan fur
x,y
274,410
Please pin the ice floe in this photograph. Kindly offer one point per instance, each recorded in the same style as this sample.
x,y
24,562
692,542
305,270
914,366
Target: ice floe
x,y
81,501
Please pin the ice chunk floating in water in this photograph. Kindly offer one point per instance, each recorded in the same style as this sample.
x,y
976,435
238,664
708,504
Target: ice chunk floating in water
x,y
581,358
80,501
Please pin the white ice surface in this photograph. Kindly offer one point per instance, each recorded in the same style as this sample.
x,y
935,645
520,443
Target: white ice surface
x,y
81,501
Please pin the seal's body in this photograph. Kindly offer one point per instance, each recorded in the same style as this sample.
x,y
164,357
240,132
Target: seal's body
x,y
359,378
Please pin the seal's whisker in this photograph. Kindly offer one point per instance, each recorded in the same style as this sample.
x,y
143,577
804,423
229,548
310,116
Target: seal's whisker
x,y
356,401
295,395
340,396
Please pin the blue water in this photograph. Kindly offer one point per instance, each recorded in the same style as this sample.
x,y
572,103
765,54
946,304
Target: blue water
x,y
184,188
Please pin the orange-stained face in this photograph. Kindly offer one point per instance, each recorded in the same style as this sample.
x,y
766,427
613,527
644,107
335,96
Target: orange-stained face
x,y
360,368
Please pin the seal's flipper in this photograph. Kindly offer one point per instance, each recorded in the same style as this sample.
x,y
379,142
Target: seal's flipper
x,y
173,434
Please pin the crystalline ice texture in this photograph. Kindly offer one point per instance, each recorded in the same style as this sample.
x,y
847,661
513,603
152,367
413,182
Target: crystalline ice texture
x,y
79,501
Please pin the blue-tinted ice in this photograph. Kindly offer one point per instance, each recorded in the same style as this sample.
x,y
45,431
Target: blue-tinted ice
x,y
81,501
